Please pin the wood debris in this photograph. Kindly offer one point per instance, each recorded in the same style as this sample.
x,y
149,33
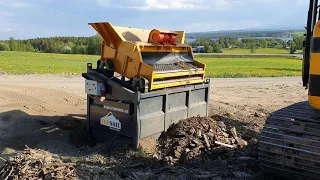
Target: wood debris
x,y
223,144
191,137
36,164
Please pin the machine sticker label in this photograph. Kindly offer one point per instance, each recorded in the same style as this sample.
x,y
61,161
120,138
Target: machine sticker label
x,y
111,121
116,109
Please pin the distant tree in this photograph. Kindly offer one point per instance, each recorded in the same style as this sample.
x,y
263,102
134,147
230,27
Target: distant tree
x,y
284,44
298,41
209,49
252,48
94,45
279,46
293,48
216,47
226,44
242,45
264,43
28,47
4,47
13,45
66,50
76,49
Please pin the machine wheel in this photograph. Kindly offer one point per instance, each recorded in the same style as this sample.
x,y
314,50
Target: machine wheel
x,y
289,145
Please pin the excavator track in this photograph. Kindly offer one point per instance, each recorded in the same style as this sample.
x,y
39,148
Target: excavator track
x,y
289,144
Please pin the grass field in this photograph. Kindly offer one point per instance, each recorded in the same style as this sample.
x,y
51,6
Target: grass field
x,y
252,67
258,51
41,63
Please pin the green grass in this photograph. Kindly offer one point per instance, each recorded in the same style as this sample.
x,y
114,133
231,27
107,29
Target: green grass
x,y
258,51
252,67
42,63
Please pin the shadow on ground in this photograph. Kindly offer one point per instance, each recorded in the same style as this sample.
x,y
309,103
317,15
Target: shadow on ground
x,y
61,135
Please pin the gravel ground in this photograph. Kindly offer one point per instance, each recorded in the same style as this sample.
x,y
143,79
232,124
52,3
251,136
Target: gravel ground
x,y
48,111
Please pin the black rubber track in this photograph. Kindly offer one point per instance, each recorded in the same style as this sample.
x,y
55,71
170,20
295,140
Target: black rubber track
x,y
289,144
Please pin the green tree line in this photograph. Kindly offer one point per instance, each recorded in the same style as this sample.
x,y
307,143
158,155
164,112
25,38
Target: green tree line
x,y
61,45
246,34
92,45
217,45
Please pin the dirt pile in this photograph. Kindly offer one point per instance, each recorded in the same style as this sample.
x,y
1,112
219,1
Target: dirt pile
x,y
36,164
195,136
95,172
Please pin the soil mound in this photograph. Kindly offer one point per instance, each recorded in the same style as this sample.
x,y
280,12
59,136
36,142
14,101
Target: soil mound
x,y
36,164
197,135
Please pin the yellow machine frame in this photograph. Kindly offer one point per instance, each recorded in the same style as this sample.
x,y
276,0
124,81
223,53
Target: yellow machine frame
x,y
314,94
124,46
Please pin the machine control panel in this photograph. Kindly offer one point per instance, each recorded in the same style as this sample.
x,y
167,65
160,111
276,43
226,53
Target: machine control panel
x,y
94,87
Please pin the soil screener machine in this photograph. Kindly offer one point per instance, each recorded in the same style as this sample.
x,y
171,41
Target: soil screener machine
x,y
144,81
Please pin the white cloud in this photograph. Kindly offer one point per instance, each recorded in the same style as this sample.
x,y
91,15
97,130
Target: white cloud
x,y
6,14
303,2
192,4
120,4
15,3
220,25
8,29
19,4
169,4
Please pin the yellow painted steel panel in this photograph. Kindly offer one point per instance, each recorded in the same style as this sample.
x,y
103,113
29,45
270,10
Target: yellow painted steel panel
x,y
176,74
124,45
314,101
315,63
174,84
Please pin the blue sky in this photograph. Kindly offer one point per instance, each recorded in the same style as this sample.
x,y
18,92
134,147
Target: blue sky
x,y
23,19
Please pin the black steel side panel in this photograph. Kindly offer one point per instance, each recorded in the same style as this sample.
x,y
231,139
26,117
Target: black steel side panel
x,y
315,45
97,112
146,114
120,101
314,88
160,109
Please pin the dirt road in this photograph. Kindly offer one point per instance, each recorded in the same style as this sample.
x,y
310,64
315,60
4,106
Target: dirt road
x,y
46,111
52,97
244,97
61,95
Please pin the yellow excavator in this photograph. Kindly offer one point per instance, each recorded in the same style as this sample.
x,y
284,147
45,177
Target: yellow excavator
x,y
289,144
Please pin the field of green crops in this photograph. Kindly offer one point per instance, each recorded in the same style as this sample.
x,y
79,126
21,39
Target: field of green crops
x,y
258,51
42,63
252,67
